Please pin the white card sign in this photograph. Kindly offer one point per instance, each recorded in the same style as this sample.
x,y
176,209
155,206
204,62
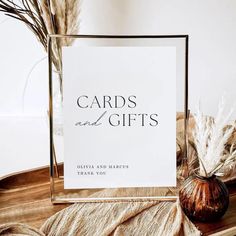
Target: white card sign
x,y
119,107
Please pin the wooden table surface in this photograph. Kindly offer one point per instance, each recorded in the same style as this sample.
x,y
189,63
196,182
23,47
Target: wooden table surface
x,y
25,198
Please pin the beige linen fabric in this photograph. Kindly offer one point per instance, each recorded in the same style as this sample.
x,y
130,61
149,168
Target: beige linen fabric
x,y
16,229
113,219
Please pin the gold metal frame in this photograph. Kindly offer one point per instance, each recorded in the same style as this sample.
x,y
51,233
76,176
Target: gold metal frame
x,y
55,168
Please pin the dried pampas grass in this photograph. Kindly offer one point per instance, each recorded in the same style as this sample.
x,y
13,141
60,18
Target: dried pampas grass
x,y
61,17
45,17
211,136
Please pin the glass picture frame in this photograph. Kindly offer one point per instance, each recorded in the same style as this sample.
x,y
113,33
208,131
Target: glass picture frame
x,y
57,46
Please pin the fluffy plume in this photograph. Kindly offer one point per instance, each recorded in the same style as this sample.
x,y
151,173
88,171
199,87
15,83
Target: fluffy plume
x,y
61,17
210,138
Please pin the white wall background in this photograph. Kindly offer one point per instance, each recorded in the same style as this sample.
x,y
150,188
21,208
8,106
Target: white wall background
x,y
211,25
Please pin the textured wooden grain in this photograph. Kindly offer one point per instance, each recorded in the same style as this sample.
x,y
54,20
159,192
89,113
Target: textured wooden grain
x,y
25,198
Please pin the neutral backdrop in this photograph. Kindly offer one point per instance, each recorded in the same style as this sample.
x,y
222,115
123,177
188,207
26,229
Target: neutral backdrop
x,y
211,25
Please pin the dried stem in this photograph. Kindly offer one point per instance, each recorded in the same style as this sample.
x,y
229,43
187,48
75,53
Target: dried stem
x,y
44,17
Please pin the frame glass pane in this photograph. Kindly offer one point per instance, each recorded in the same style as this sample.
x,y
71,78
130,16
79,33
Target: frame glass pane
x,y
57,44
